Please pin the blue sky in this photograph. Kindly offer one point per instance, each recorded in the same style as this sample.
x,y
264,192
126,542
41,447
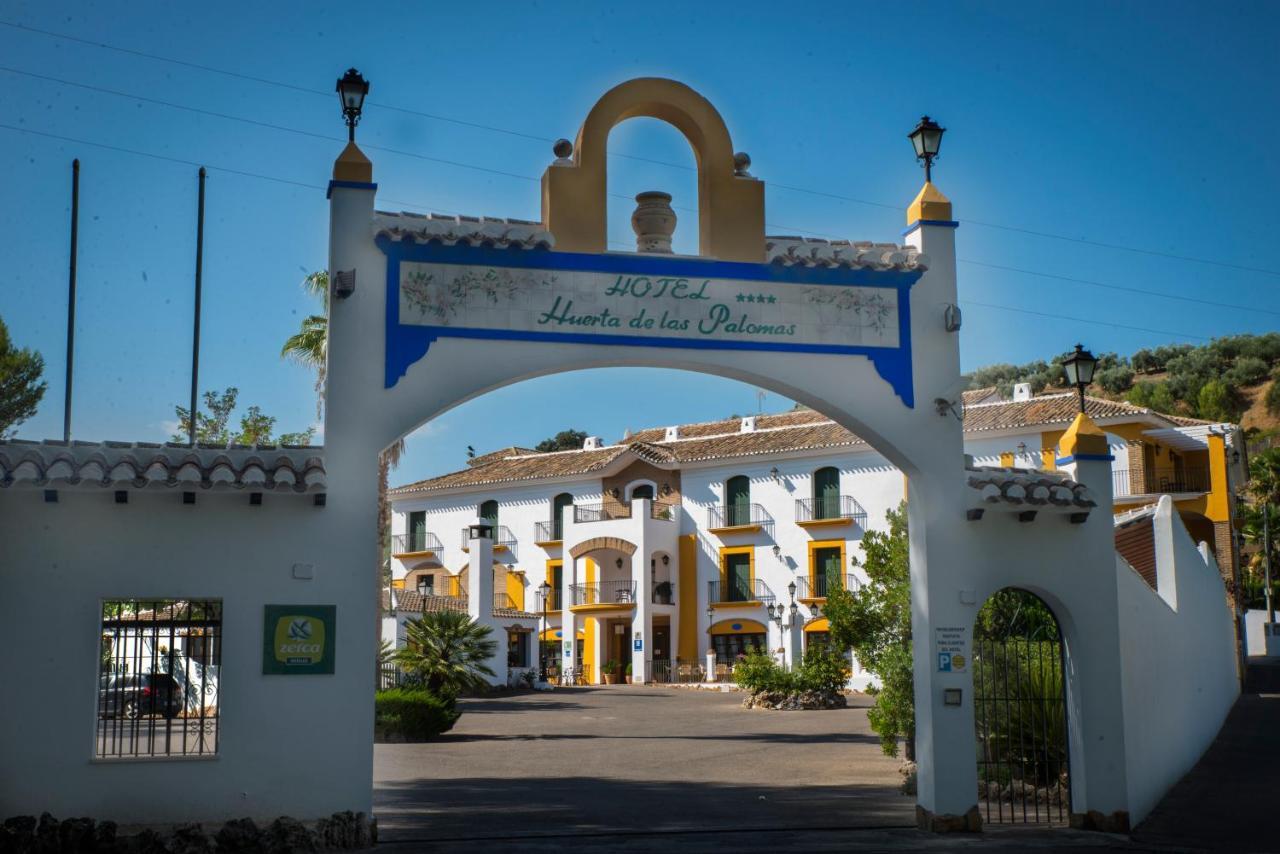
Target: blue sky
x,y
1143,126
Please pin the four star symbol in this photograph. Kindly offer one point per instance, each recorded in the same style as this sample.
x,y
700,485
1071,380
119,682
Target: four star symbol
x,y
757,298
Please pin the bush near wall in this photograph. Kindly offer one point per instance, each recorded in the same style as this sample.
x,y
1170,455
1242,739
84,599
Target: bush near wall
x,y
815,684
412,714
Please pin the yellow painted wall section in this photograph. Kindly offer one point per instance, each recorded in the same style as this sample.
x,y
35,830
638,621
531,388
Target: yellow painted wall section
x,y
515,589
1218,507
1006,459
589,650
590,570
687,643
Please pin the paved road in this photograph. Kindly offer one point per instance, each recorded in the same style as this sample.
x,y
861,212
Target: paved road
x,y
634,759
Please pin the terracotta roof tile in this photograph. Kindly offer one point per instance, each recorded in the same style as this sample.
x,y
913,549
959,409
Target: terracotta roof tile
x,y
412,600
1044,410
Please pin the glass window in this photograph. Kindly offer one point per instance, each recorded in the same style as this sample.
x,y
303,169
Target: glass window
x,y
816,640
737,500
737,577
518,649
644,490
729,647
158,676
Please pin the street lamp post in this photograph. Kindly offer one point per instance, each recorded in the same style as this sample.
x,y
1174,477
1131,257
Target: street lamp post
x,y
1079,366
927,139
545,589
351,91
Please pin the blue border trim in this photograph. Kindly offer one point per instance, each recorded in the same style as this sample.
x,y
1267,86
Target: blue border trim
x,y
406,344
942,223
1062,461
348,185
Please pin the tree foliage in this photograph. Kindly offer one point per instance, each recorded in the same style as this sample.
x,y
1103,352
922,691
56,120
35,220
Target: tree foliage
x,y
21,386
875,622
447,652
565,440
213,424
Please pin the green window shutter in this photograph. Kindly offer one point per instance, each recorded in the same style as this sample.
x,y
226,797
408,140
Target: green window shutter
x,y
417,530
738,577
489,512
826,493
738,500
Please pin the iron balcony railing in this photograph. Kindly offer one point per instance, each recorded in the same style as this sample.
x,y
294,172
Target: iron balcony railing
x,y
503,600
416,541
738,590
823,584
664,593
548,532
736,515
502,536
600,512
603,593
551,602
1160,481
830,507
658,510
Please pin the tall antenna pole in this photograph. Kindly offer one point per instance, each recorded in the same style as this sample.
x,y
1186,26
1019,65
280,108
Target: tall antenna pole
x,y
195,338
71,296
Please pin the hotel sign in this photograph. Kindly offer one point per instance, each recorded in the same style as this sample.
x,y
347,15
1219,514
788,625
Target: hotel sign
x,y
619,299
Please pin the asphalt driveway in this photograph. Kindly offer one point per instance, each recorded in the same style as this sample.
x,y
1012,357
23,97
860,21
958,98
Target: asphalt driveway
x,y
618,760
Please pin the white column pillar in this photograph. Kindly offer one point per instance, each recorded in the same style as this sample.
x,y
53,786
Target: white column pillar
x,y
480,601
568,619
641,622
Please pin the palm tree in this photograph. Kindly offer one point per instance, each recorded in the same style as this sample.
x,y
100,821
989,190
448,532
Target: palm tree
x,y
447,652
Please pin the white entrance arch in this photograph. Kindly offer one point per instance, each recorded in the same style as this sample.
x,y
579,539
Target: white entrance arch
x,y
445,310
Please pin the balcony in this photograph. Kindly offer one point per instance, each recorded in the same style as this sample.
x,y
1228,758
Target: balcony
x,y
415,544
552,603
831,511
602,596
665,512
600,512
1127,482
738,519
503,601
809,592
739,592
549,533
502,539
663,593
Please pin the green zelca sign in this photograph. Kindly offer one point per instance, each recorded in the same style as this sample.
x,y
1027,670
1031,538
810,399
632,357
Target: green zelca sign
x,y
298,638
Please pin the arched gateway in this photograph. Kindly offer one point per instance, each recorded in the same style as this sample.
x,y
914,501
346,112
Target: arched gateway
x,y
429,312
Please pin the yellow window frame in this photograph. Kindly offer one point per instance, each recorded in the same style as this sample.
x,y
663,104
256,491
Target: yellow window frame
x,y
726,551
814,546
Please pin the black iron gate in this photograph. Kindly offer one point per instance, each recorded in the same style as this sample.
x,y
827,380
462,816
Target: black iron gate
x,y
1020,712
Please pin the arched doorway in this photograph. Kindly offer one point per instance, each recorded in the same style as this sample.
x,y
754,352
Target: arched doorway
x,y
1020,711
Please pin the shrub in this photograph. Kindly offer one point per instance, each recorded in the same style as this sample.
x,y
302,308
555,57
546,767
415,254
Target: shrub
x,y
822,670
1116,379
414,714
1273,398
447,653
757,671
1248,370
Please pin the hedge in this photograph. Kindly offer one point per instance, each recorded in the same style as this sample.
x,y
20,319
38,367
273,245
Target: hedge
x,y
413,714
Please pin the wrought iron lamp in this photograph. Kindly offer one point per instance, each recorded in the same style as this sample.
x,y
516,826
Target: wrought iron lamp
x,y
927,139
351,91
1079,367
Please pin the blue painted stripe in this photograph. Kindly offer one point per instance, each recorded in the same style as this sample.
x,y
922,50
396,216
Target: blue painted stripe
x,y
942,223
348,185
1062,461
406,344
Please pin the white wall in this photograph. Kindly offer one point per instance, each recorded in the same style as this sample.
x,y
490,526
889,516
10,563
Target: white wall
x,y
59,560
1179,670
1255,641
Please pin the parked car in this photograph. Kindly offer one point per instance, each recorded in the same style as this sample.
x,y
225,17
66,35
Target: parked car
x,y
140,695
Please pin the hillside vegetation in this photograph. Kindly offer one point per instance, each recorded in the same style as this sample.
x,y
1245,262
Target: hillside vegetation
x,y
1229,379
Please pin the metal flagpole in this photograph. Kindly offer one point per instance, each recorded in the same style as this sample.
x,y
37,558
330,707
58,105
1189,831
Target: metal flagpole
x,y
71,296
195,338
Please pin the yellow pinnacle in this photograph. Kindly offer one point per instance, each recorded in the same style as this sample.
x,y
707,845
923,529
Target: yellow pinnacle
x,y
929,204
352,165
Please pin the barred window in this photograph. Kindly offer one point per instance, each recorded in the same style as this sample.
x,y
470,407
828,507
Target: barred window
x,y
158,677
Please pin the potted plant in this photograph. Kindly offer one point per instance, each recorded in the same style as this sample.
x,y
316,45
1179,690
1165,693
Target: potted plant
x,y
610,672
662,593
628,672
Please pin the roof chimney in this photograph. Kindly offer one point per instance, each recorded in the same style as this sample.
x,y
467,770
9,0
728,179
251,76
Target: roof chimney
x,y
748,425
592,443
673,433
1021,392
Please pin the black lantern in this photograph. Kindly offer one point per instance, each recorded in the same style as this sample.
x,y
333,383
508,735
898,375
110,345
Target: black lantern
x,y
351,91
480,529
1079,367
927,139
